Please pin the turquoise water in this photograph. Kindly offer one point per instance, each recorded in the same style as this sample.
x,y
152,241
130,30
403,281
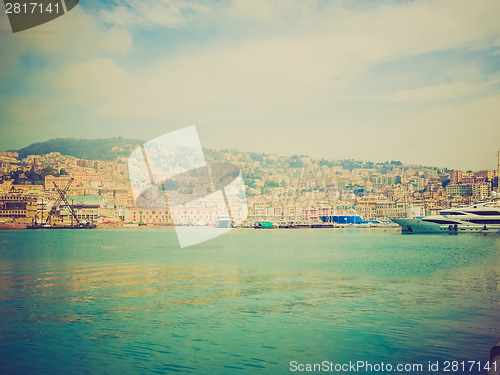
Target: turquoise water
x,y
132,302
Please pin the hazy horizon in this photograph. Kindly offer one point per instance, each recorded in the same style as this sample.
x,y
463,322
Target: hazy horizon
x,y
412,81
243,150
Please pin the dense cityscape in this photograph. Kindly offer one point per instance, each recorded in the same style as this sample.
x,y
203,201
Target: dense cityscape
x,y
285,190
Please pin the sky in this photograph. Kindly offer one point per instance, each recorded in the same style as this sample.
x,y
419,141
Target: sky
x,y
415,81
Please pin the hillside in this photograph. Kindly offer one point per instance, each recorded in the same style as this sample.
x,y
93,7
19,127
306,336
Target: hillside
x,y
108,149
92,149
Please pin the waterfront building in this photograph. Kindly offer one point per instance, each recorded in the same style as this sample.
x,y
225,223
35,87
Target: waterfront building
x,y
61,182
310,213
195,215
487,175
149,216
459,189
481,190
457,176
277,191
386,208
86,208
83,178
367,208
33,189
292,213
260,211
17,204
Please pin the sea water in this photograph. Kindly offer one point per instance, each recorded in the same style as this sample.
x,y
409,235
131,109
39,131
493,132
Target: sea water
x,y
131,301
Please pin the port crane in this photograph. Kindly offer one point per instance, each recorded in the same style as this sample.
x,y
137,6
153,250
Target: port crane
x,y
61,200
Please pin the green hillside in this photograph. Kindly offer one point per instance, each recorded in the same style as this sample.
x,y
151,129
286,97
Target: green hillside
x,y
92,149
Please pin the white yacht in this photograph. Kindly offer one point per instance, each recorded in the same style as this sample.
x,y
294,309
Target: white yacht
x,y
478,218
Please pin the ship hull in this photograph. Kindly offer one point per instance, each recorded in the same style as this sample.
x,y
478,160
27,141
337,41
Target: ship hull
x,y
223,224
12,226
83,226
410,226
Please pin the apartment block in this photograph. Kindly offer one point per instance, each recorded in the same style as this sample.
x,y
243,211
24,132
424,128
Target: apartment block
x,y
458,189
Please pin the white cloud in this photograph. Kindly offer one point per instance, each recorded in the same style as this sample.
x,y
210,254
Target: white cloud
x,y
146,13
436,93
294,67
28,109
76,35
301,64
88,83
257,9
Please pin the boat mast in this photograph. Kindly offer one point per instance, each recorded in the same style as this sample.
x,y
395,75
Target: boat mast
x,y
41,219
498,173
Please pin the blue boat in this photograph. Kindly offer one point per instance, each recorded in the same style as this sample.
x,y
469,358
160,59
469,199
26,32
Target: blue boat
x,y
343,219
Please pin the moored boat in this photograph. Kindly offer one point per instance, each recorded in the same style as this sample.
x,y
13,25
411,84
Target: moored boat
x,y
264,225
478,218
75,226
224,221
